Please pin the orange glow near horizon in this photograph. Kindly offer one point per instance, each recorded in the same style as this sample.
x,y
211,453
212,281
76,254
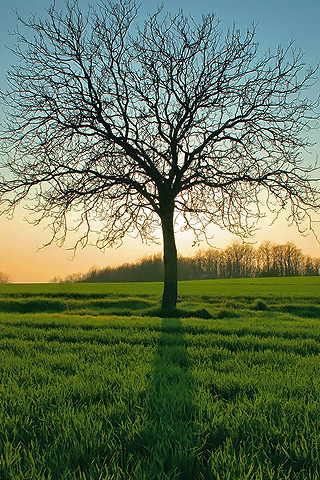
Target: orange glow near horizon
x,y
21,260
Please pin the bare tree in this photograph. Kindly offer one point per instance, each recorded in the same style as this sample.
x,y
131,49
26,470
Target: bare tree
x,y
4,278
239,260
311,266
264,258
293,260
133,127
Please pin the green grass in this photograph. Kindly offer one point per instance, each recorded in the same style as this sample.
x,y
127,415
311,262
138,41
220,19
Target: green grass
x,y
89,392
277,286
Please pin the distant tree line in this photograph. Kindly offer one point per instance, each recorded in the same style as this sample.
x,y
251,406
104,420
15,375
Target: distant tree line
x,y
235,261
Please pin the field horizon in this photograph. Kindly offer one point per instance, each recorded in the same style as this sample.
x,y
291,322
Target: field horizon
x,y
105,287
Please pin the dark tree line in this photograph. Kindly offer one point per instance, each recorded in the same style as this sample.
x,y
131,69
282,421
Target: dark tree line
x,y
236,261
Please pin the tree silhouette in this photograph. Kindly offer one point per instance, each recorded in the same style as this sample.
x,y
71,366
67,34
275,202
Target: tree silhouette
x,y
132,127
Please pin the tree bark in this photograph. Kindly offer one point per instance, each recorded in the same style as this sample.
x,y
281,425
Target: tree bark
x,y
170,258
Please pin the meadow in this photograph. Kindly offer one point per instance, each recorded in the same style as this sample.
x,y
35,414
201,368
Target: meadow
x,y
97,383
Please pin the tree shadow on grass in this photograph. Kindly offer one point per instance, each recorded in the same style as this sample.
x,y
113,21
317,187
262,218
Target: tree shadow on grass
x,y
167,442
151,438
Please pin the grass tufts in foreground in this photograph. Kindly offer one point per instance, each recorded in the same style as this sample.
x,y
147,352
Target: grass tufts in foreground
x,y
99,397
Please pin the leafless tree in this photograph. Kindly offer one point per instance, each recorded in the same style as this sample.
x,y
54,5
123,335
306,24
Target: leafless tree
x,y
264,258
311,266
293,260
4,278
239,259
131,127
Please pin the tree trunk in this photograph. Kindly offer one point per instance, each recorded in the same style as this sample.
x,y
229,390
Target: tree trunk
x,y
170,291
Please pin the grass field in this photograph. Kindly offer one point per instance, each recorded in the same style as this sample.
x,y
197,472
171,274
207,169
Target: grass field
x,y
97,383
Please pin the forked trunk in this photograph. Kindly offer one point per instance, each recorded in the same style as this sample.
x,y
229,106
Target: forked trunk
x,y
170,292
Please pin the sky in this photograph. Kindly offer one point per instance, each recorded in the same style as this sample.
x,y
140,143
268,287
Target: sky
x,y
278,22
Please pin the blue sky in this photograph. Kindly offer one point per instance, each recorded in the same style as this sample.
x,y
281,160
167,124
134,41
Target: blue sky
x,y
278,22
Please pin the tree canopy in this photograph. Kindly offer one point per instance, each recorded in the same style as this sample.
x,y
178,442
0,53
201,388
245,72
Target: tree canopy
x,y
133,126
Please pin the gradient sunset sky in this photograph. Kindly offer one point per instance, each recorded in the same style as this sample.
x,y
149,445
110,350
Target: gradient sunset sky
x,y
278,22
